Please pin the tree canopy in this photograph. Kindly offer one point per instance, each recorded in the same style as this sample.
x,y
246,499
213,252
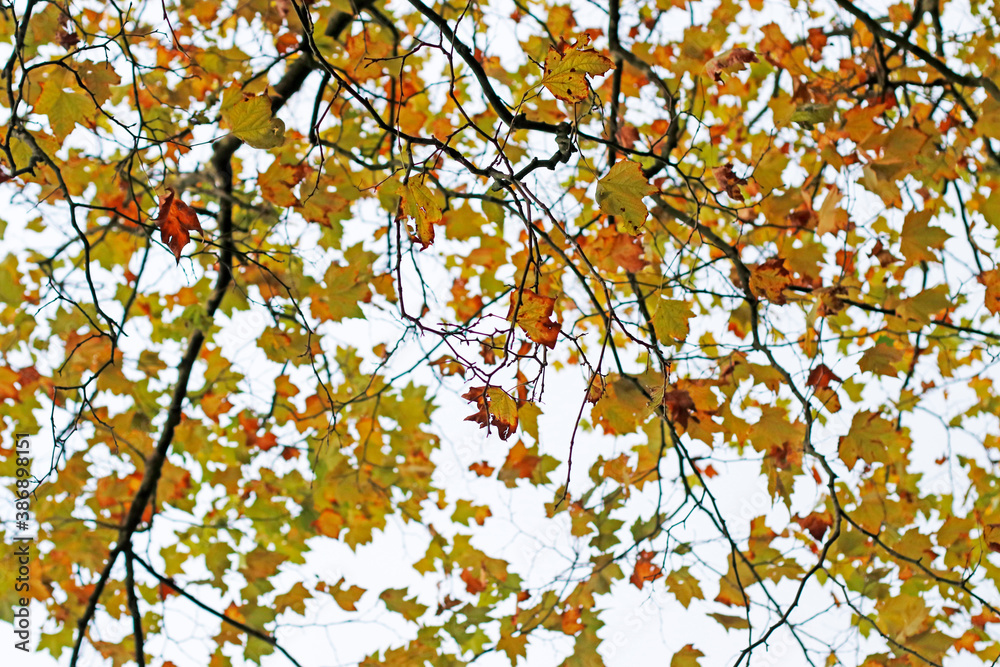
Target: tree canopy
x,y
701,292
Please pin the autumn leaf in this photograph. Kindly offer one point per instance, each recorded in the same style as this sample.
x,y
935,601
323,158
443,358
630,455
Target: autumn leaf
x,y
482,469
680,404
250,119
730,62
620,193
991,534
770,280
566,71
919,238
533,313
496,409
728,181
821,376
569,621
816,524
418,203
991,279
474,583
645,570
176,221
881,359
686,657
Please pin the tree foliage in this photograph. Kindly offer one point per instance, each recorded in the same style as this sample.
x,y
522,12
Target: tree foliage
x,y
268,258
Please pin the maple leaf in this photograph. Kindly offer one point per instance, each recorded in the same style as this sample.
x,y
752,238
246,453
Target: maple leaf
x,y
770,279
730,62
991,534
991,279
595,388
176,221
566,71
418,203
686,657
620,193
496,409
250,118
680,404
534,315
881,359
728,181
821,376
815,524
474,583
919,239
569,621
645,570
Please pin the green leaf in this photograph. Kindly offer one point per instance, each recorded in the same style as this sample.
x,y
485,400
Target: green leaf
x,y
251,120
620,193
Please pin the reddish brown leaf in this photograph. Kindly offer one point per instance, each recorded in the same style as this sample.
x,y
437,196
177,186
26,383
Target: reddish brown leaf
x,y
729,181
729,62
681,405
821,376
815,524
176,221
473,583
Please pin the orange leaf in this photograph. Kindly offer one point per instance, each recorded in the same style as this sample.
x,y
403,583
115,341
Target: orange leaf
x,y
645,570
482,468
176,221
534,316
474,584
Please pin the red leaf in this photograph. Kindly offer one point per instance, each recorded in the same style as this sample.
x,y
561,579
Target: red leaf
x,y
176,221
821,376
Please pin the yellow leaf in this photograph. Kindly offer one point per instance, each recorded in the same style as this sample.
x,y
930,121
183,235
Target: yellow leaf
x,y
65,108
919,239
620,194
670,318
881,359
566,72
419,205
251,120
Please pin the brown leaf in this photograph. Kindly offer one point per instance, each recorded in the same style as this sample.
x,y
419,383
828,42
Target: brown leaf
x,y
729,181
729,62
681,405
176,221
815,524
992,536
